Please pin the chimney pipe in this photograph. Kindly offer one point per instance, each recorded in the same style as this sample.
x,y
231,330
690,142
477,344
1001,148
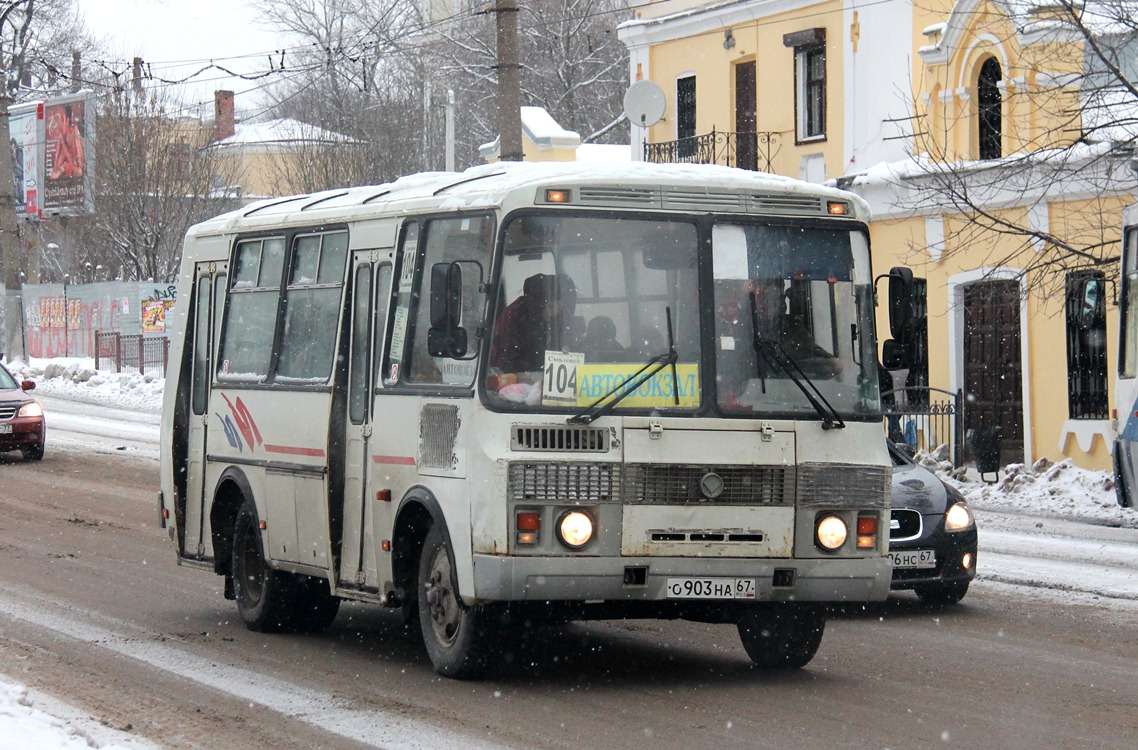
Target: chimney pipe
x,y
223,121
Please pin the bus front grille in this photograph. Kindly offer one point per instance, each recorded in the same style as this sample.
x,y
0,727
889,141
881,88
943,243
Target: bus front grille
x,y
549,482
652,484
558,438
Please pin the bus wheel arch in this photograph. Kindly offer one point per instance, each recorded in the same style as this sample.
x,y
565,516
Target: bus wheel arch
x,y
418,512
232,491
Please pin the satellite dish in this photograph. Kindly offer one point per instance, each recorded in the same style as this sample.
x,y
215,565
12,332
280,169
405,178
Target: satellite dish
x,y
644,103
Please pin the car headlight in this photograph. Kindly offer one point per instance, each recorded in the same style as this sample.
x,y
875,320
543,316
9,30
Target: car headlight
x,y
575,529
959,517
831,532
31,409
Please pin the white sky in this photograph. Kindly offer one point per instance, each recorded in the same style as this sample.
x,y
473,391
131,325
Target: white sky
x,y
178,37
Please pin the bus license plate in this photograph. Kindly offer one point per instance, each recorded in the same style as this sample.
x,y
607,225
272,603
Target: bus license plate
x,y
916,558
711,588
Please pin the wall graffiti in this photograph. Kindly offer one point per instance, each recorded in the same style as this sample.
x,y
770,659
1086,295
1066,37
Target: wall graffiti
x,y
61,321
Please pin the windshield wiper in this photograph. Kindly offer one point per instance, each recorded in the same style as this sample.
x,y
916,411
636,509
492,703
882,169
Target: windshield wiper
x,y
772,351
618,392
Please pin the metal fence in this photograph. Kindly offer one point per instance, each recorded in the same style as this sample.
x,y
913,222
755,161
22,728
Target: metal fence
x,y
925,418
131,351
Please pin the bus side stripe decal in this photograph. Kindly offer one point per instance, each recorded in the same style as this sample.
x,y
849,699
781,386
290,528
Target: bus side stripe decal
x,y
293,451
400,460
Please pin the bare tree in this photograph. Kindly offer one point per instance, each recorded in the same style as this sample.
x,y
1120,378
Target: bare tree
x,y
1080,145
352,79
573,65
156,177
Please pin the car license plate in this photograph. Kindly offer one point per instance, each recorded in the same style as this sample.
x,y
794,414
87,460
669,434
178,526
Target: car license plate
x,y
711,588
5,429
916,558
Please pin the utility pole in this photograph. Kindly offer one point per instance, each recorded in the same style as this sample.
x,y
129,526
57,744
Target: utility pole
x,y
509,82
11,246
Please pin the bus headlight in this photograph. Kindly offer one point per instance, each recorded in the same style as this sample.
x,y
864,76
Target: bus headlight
x,y
575,529
831,532
958,517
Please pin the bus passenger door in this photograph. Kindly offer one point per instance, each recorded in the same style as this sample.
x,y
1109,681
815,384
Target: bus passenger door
x,y
208,295
371,291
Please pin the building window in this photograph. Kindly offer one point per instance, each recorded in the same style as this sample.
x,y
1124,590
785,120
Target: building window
x,y
685,115
990,112
809,82
1086,345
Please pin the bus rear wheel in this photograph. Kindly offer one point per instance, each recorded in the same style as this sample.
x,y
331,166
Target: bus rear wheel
x,y
455,635
782,635
261,592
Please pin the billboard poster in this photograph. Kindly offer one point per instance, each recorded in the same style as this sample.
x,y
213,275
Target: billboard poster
x,y
26,132
68,137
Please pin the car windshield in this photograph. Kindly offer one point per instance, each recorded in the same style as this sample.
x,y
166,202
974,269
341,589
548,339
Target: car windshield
x,y
793,316
6,380
584,302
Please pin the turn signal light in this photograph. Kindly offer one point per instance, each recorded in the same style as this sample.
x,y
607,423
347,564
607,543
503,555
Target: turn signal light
x,y
528,525
837,208
557,196
866,532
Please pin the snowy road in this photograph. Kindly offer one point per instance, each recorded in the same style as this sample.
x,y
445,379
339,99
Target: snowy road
x,y
1053,597
74,425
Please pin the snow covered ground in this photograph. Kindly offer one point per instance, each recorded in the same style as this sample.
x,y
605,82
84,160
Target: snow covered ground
x,y
1054,528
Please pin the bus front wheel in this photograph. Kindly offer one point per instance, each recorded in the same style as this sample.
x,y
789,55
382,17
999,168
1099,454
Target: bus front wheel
x,y
260,591
455,635
782,635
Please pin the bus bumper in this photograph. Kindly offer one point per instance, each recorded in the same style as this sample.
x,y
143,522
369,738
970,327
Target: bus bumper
x,y
501,578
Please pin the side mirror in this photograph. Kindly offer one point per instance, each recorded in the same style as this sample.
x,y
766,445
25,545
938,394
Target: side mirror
x,y
902,306
893,355
28,385
446,338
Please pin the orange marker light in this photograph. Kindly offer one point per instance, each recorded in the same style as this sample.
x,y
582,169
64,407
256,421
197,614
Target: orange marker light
x,y
529,521
837,208
557,196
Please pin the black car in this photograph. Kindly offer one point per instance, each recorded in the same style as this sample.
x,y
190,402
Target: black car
x,y
21,418
932,534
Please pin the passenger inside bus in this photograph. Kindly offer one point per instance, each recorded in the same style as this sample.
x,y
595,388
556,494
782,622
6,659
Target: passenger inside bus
x,y
536,321
600,339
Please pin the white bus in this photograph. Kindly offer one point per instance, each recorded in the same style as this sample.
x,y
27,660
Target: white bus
x,y
1126,382
529,392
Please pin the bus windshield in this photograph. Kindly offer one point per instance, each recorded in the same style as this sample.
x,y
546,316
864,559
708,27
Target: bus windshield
x,y
584,301
792,309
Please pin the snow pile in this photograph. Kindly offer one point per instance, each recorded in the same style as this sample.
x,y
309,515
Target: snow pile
x,y
1056,490
78,380
26,727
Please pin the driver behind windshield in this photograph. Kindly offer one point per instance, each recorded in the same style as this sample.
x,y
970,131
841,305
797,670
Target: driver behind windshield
x,y
535,322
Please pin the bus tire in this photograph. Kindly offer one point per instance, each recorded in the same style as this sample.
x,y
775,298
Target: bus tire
x,y
262,594
315,607
455,635
782,635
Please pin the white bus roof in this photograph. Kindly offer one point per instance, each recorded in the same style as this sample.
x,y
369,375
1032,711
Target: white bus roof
x,y
679,187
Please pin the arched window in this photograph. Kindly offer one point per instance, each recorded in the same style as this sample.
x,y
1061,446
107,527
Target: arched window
x,y
990,110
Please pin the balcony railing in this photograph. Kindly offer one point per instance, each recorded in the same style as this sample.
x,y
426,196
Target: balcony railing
x,y
753,151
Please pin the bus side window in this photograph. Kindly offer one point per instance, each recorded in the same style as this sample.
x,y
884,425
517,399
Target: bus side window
x,y
250,320
467,241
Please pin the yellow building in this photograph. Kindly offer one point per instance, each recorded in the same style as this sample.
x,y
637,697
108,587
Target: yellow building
x,y
985,144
